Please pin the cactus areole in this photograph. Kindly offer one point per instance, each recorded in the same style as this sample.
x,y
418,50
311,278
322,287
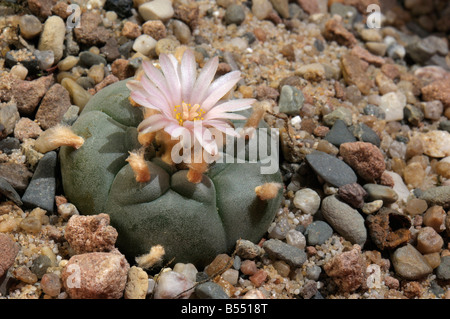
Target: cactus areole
x,y
194,222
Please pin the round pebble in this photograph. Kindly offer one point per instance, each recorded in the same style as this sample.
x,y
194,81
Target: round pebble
x,y
144,44
234,14
307,200
30,26
318,233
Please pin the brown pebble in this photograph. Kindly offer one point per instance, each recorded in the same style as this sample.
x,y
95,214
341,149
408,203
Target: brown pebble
x,y
321,131
258,278
435,217
416,206
288,52
248,267
51,284
414,174
8,253
282,268
122,69
25,275
26,128
335,30
391,282
434,260
429,241
131,30
353,194
365,158
154,28
221,263
260,34
412,289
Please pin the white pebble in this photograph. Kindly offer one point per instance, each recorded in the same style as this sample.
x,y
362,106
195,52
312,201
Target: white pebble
x,y
156,10
187,270
144,44
392,104
296,239
67,210
19,71
307,200
171,284
231,275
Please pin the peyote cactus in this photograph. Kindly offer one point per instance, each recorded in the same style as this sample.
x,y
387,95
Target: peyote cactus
x,y
192,221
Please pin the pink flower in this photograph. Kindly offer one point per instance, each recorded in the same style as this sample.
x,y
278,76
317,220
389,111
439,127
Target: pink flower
x,y
183,98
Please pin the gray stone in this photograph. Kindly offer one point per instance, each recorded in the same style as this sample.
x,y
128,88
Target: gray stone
x,y
376,192
277,249
374,110
409,263
17,175
313,272
443,270
348,13
365,134
234,14
331,169
445,125
9,144
71,115
210,290
41,190
345,220
341,113
45,58
436,289
318,232
40,265
439,195
8,191
339,134
291,100
89,59
246,249
420,51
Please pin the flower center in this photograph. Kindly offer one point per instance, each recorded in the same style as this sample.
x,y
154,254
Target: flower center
x,y
187,112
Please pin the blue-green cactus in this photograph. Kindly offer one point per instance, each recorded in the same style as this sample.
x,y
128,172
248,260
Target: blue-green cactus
x,y
193,222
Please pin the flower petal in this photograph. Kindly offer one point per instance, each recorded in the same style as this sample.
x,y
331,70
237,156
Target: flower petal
x,y
153,123
188,73
229,106
157,77
219,88
206,140
204,80
142,99
171,73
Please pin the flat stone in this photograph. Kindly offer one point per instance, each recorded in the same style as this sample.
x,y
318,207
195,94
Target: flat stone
x,y
8,253
9,192
210,290
365,134
353,71
89,59
318,232
331,169
409,263
17,175
41,191
439,195
345,220
376,192
277,249
291,100
443,271
54,105
339,134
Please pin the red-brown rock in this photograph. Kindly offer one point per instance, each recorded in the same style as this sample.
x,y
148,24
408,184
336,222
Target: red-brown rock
x,y
365,158
53,106
335,31
28,94
8,252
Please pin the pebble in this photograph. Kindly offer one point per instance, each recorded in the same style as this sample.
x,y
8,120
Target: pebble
x,y
45,59
365,158
429,241
188,270
432,110
258,278
365,134
9,144
307,200
89,59
40,266
54,105
372,207
436,143
318,233
87,234
68,63
392,104
435,217
443,271
24,274
235,14
8,253
137,284
9,116
345,220
335,31
416,206
313,272
247,249
95,276
341,113
222,262
409,263
248,267
261,9
41,190
9,192
314,72
181,31
353,71
30,26
121,7
439,195
154,28
19,71
79,96
144,44
385,193
26,128
347,269
296,238
352,194
156,10
331,169
17,175
97,73
339,134
277,249
231,275
210,290
51,284
52,37
28,94
31,225
291,100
